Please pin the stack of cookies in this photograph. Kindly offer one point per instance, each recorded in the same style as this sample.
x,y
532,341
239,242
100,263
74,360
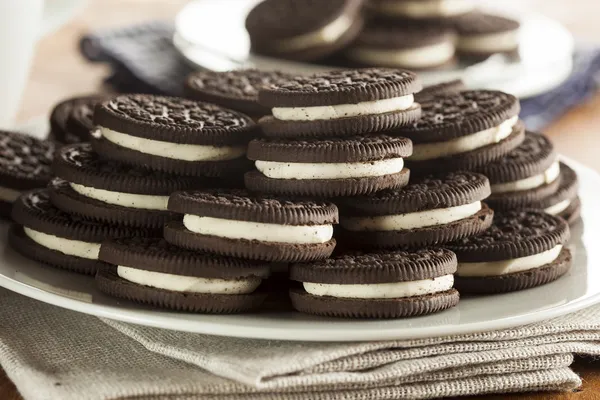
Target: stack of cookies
x,y
413,34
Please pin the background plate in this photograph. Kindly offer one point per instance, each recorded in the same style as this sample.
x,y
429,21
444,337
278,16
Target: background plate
x,y
210,34
578,289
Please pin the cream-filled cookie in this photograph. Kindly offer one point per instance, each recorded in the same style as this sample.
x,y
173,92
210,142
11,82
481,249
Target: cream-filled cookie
x,y
422,9
481,35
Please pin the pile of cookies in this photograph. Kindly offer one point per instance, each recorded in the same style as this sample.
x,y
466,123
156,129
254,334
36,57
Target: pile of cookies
x,y
412,34
373,204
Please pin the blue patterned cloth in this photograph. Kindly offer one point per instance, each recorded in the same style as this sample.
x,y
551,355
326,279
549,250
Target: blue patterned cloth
x,y
144,60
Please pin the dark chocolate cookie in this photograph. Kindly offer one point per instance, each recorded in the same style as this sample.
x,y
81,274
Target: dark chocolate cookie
x,y
341,103
24,164
292,29
104,190
206,282
445,88
387,284
173,135
481,35
238,224
70,119
439,12
429,211
328,167
237,89
564,201
524,176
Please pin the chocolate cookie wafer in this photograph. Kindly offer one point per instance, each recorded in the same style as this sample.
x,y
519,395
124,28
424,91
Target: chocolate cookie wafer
x,y
525,176
415,47
522,249
421,10
174,135
51,236
481,35
71,120
429,211
115,193
391,284
463,131
238,224
341,103
237,89
328,167
444,88
152,271
24,165
303,29
564,202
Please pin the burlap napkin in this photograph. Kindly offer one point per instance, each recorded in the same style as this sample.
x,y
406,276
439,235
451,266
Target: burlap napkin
x,y
51,353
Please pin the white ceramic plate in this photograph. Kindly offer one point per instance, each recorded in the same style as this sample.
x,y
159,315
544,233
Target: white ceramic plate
x,y
57,13
210,34
578,289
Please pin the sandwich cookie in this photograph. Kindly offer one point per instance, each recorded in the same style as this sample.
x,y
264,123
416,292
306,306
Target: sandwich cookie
x,y
391,284
51,236
328,167
154,272
303,29
24,164
526,175
464,131
429,211
482,35
237,90
416,47
115,193
173,135
341,103
422,9
522,249
445,88
564,202
71,120
235,223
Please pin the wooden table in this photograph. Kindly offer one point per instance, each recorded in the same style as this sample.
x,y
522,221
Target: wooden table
x,y
59,71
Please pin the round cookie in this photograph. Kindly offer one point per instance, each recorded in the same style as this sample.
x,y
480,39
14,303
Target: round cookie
x,y
235,223
328,167
522,249
341,103
24,164
526,175
303,30
173,135
421,10
237,89
463,131
393,284
564,202
51,236
70,119
154,272
115,193
482,35
429,211
450,87
415,47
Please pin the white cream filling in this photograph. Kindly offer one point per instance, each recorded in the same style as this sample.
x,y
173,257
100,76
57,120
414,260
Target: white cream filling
x,y
495,268
66,246
426,8
343,110
419,57
8,194
328,34
546,177
493,42
428,151
249,230
382,290
180,283
413,220
177,151
141,201
283,170
558,207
